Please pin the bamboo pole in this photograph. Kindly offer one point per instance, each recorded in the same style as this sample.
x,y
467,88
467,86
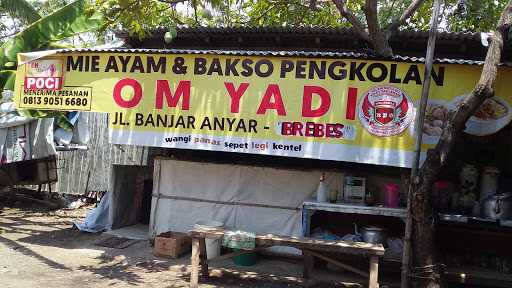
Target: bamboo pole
x,y
418,125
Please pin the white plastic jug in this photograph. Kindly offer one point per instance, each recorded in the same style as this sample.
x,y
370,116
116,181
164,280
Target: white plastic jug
x,y
322,193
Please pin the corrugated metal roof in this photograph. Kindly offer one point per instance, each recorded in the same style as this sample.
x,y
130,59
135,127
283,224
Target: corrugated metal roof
x,y
321,54
313,30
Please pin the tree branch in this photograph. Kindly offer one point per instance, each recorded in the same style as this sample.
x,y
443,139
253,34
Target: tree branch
x,y
408,12
312,5
482,91
421,210
261,15
347,14
172,2
370,11
390,11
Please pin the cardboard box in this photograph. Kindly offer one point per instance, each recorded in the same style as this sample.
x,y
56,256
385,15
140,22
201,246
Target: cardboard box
x,y
172,244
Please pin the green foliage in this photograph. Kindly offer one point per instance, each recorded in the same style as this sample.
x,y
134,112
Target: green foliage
x,y
59,25
139,17
20,9
476,15
136,16
49,6
45,33
216,13
7,78
457,15
292,13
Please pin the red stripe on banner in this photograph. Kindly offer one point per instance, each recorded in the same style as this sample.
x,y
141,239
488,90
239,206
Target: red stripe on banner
x,y
351,104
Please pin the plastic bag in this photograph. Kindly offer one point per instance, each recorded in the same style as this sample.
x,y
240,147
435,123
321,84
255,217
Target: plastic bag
x,y
81,130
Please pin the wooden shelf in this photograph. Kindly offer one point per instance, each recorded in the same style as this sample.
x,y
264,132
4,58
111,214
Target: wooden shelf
x,y
477,276
356,209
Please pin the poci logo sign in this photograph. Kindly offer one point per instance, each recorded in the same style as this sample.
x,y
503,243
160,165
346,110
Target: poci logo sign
x,y
385,111
44,74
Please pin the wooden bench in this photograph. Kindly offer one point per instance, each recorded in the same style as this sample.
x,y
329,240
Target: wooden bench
x,y
310,248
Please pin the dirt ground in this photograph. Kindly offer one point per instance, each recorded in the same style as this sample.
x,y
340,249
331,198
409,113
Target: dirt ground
x,y
40,248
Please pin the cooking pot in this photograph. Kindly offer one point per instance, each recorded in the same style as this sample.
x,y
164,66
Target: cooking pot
x,y
374,235
498,206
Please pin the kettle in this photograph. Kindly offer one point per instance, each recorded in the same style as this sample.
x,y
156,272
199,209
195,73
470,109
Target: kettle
x,y
497,206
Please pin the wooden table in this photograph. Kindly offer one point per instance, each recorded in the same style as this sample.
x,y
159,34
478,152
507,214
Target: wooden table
x,y
310,248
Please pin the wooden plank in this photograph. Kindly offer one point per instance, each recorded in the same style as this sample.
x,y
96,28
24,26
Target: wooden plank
x,y
341,264
308,264
194,263
203,257
468,273
358,248
28,198
374,272
356,209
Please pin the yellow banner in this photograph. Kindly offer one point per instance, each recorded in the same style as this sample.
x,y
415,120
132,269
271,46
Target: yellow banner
x,y
327,108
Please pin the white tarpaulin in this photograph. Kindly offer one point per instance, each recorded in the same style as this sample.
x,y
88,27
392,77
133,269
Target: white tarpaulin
x,y
23,138
255,199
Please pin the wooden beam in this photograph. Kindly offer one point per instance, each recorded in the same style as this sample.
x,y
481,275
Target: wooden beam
x,y
308,264
341,264
418,124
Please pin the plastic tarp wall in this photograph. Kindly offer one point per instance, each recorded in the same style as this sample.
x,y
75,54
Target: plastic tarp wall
x,y
121,204
256,199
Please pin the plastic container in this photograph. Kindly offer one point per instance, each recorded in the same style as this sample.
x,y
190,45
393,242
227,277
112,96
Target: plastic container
x,y
322,193
247,259
392,196
441,195
333,195
212,244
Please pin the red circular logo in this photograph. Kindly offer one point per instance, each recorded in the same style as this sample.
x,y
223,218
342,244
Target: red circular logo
x,y
385,111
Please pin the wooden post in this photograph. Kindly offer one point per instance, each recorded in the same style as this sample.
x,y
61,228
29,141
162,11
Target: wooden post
x,y
418,125
374,272
203,257
194,262
308,264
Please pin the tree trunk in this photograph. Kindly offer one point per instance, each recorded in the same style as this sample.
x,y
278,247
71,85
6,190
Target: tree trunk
x,y
381,45
424,272
377,37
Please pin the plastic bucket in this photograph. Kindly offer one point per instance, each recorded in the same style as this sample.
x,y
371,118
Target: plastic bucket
x,y
212,244
247,259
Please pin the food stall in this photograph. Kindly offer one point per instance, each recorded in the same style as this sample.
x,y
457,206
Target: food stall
x,y
287,142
